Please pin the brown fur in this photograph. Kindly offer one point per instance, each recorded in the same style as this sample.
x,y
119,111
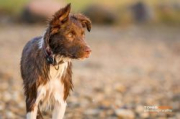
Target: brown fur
x,y
64,37
67,81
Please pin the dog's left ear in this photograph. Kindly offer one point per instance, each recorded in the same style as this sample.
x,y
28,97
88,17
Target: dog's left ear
x,y
86,22
61,16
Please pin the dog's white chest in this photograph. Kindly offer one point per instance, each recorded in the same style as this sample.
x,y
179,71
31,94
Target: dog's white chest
x,y
53,90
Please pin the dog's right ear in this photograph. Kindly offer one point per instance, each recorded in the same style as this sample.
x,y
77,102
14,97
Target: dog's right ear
x,y
61,16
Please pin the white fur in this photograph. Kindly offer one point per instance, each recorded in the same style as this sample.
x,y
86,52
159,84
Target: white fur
x,y
40,43
52,93
59,110
33,114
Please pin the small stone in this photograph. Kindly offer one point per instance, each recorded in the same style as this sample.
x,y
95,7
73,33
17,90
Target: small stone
x,y
108,90
106,103
2,106
110,112
6,97
139,109
98,98
4,86
144,115
125,114
120,88
14,109
10,115
21,104
92,112
16,96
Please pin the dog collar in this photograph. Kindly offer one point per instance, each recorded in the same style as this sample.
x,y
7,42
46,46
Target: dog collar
x,y
49,56
51,59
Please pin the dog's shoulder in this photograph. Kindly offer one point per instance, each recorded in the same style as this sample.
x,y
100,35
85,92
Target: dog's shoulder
x,y
32,44
34,41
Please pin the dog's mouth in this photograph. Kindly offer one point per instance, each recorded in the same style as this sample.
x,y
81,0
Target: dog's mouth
x,y
86,55
80,58
76,56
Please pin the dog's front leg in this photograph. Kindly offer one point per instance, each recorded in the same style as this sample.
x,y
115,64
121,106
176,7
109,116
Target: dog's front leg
x,y
32,103
59,110
32,112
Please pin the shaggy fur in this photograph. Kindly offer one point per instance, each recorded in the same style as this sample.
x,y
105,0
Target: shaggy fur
x,y
46,62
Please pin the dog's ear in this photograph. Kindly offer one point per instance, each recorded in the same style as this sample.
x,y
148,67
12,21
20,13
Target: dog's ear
x,y
61,16
86,22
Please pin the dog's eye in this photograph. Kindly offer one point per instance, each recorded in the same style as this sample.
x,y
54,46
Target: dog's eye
x,y
70,35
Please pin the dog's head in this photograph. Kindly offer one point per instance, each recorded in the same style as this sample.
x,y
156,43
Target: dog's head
x,y
66,34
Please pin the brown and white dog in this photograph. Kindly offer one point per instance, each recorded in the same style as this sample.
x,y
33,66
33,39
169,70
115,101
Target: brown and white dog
x,y
46,63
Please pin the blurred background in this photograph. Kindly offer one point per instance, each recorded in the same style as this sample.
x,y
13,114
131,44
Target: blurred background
x,y
135,60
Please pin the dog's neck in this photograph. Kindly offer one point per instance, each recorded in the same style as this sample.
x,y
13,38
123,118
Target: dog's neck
x,y
51,58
